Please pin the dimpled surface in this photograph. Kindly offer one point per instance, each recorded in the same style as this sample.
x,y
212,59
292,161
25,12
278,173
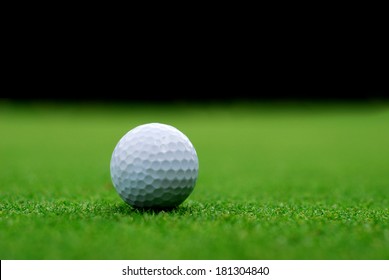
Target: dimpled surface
x,y
154,165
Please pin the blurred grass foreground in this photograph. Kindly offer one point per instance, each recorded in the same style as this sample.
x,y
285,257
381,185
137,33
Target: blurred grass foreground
x,y
276,181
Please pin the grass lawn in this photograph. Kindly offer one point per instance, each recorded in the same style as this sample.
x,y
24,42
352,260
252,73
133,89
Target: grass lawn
x,y
276,181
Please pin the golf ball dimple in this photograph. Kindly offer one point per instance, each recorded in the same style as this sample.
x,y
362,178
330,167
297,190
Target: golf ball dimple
x,y
154,165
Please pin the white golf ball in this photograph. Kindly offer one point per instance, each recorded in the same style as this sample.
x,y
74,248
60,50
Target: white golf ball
x,y
154,165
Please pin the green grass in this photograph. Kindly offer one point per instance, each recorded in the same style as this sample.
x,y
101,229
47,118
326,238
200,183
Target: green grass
x,y
276,181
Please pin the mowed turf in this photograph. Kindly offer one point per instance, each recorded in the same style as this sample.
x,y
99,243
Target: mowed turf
x,y
276,181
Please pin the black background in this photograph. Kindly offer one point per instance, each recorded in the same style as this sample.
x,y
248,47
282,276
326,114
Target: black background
x,y
250,66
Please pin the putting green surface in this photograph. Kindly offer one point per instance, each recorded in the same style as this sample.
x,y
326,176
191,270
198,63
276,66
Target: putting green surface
x,y
276,181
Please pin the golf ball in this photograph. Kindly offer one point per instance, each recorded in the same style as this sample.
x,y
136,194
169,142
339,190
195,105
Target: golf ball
x,y
154,165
